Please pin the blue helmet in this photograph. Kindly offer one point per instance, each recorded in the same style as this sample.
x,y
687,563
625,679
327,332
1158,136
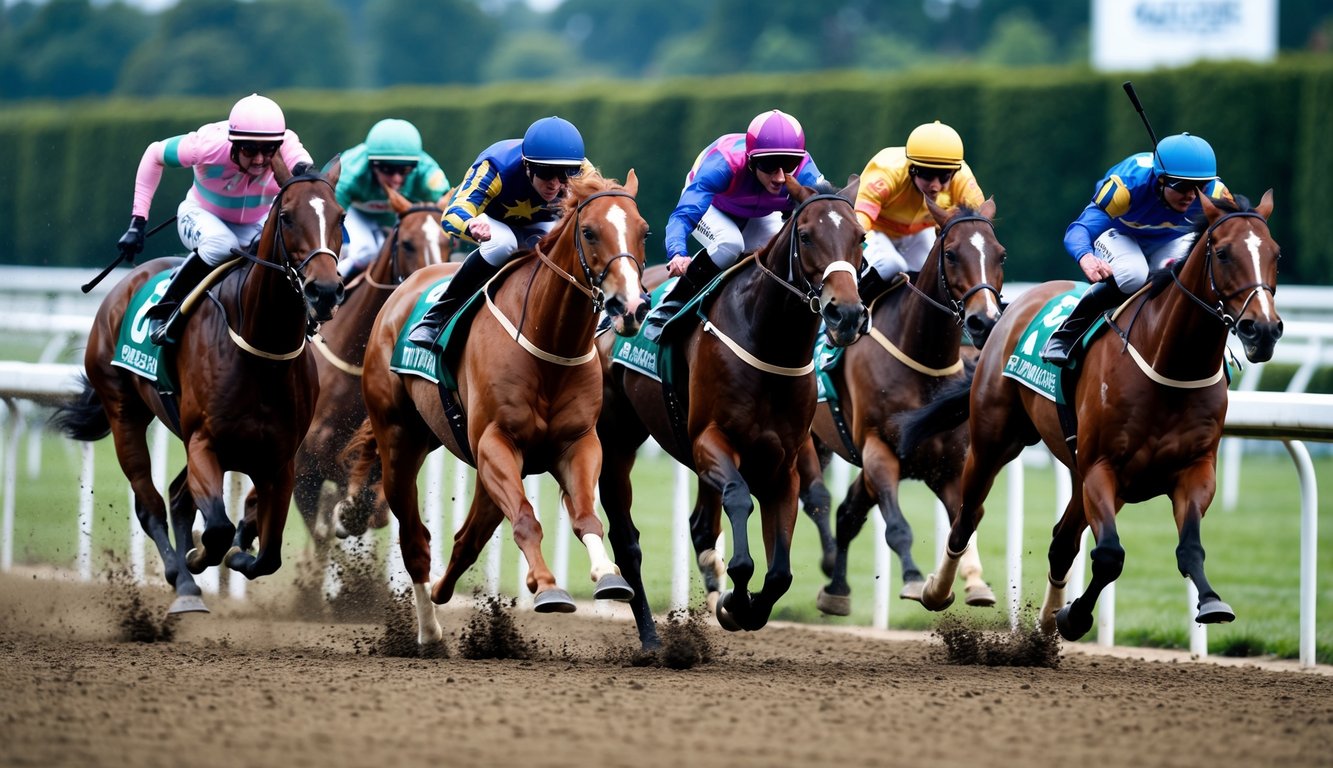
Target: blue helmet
x,y
1183,156
553,141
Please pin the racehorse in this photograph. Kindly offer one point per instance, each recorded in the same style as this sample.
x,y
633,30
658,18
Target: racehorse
x,y
417,240
748,399
1149,403
916,330
247,386
529,383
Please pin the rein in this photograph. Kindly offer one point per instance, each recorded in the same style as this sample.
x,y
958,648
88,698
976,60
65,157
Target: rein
x,y
1219,311
594,288
396,276
956,306
811,295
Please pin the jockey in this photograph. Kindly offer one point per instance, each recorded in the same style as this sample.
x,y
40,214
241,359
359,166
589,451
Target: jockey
x,y
508,199
391,156
733,201
891,201
228,202
1140,219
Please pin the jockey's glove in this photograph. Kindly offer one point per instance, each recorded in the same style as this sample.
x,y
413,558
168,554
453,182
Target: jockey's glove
x,y
131,243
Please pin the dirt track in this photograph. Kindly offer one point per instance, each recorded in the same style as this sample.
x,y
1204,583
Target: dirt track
x,y
245,686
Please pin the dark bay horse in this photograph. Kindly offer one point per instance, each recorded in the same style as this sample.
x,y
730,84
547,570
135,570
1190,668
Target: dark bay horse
x,y
1150,403
913,351
530,385
247,386
748,402
417,240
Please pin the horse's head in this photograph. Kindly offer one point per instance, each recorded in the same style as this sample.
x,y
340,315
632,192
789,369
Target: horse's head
x,y
418,239
610,240
1240,261
822,242
969,264
309,234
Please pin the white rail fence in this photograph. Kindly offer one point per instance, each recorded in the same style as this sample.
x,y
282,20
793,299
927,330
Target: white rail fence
x,y
1290,418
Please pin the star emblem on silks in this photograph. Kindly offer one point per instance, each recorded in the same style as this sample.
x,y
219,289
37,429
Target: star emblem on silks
x,y
523,209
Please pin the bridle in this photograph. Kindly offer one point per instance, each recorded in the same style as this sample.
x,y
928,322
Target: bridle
x,y
396,274
1219,310
593,290
811,295
295,272
957,307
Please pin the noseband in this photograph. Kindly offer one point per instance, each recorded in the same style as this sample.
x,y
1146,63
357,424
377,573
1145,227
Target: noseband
x,y
594,288
810,295
295,272
956,306
1219,310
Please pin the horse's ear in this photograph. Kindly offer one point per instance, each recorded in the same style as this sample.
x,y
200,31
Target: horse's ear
x,y
853,187
939,214
632,183
987,208
397,202
1209,209
798,192
333,169
281,173
1265,206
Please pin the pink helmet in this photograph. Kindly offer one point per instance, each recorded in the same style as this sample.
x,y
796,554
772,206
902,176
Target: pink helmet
x,y
256,118
774,133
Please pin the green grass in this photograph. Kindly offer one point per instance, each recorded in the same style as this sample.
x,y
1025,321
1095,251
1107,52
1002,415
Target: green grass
x,y
1253,551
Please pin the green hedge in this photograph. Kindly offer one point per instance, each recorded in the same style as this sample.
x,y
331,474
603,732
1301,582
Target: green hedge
x,y
1038,139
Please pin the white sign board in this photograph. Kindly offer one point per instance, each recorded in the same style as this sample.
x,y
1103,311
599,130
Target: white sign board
x,y
1144,34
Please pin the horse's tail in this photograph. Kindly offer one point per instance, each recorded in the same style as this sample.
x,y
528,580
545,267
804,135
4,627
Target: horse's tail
x,y
361,457
83,417
947,409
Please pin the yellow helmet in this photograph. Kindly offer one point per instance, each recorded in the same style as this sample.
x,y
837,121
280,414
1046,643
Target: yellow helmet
x,y
935,145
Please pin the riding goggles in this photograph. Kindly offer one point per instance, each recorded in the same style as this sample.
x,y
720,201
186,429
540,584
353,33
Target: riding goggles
x,y
252,148
1185,186
771,163
942,175
391,169
549,172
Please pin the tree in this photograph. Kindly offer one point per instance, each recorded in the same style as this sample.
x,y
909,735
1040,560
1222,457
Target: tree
x,y
445,41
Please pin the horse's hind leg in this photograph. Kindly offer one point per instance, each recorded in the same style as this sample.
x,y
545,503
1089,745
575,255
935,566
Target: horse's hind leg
x,y
617,496
816,500
978,592
483,518
835,598
882,474
188,595
577,474
1108,557
1190,500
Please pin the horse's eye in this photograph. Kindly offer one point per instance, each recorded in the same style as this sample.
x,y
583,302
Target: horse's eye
x,y
1003,255
285,218
408,245
952,256
1223,253
805,238
589,234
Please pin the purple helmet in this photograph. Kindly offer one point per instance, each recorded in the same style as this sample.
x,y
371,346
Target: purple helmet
x,y
774,133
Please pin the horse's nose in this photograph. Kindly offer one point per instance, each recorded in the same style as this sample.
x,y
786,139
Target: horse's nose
x,y
978,327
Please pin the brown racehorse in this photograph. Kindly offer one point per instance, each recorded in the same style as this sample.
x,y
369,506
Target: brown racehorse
x,y
913,351
748,403
247,386
417,240
1150,402
530,385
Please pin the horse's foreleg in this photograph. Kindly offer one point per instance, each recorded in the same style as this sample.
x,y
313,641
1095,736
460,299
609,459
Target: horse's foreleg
x,y
979,472
778,511
273,497
499,472
617,496
1189,500
705,528
882,475
717,464
817,502
205,479
835,599
1066,538
188,595
577,473
307,493
1108,557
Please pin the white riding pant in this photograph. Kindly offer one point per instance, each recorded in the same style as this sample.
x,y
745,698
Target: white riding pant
x,y
210,236
891,255
365,237
725,239
505,241
1130,263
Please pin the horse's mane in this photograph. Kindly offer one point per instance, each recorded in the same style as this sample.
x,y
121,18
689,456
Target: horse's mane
x,y
580,188
1159,279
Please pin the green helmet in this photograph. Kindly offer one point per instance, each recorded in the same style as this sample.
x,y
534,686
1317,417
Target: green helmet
x,y
395,141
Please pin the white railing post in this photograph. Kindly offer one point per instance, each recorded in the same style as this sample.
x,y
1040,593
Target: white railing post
x,y
680,537
1013,546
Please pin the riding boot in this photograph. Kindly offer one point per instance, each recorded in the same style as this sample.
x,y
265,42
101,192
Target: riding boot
x,y
699,274
1101,297
165,321
470,277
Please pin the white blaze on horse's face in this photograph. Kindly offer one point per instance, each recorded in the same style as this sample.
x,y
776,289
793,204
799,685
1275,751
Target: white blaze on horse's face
x,y
318,205
430,232
1253,241
836,218
618,218
979,242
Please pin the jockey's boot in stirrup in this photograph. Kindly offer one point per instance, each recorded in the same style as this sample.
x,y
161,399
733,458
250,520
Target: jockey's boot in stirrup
x,y
1099,298
165,321
470,277
700,273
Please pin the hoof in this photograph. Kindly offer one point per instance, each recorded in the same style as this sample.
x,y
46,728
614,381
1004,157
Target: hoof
x,y
912,591
981,596
1215,612
194,560
713,599
724,617
833,605
1072,628
613,586
932,601
187,604
553,600
231,560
